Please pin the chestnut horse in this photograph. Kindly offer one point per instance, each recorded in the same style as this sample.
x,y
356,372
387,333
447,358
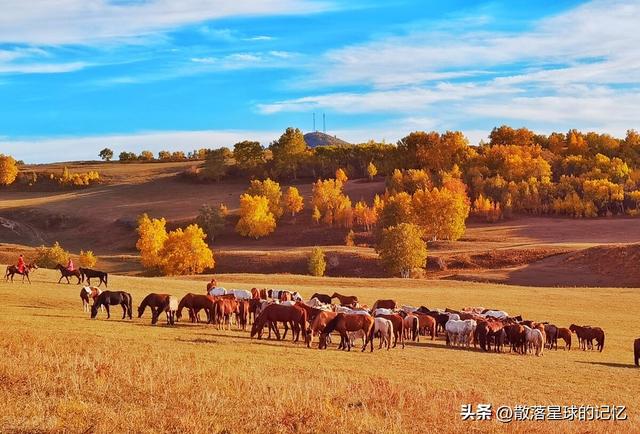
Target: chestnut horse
x,y
318,325
13,270
224,308
565,334
385,304
65,274
88,293
426,324
243,313
155,302
195,303
275,313
112,298
344,323
346,300
516,334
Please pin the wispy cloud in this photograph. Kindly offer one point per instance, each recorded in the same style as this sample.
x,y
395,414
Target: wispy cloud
x,y
88,22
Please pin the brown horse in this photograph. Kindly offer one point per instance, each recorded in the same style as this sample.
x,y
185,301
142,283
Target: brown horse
x,y
636,351
155,302
586,335
427,324
384,304
318,325
494,332
551,332
346,300
275,313
13,270
322,298
516,334
195,303
398,327
255,294
88,293
565,334
224,308
345,323
65,274
312,312
243,314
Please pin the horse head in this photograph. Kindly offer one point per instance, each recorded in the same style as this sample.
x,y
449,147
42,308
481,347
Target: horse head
x,y
94,310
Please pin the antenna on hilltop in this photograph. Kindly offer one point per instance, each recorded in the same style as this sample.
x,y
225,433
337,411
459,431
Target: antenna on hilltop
x,y
324,124
314,121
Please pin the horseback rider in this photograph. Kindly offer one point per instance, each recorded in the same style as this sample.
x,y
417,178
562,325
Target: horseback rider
x,y
70,266
212,284
21,264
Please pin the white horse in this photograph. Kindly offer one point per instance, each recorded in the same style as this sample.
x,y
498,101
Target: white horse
x,y
241,294
172,309
500,314
315,303
385,328
535,340
218,290
383,311
454,316
408,309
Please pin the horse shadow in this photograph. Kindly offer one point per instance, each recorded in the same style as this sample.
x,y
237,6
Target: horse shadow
x,y
197,341
611,364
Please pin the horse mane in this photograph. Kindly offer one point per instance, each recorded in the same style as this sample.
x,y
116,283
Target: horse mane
x,y
332,324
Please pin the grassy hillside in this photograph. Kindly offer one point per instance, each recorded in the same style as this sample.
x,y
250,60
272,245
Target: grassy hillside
x,y
62,370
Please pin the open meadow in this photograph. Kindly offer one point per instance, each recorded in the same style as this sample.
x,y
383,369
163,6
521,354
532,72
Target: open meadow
x,y
63,372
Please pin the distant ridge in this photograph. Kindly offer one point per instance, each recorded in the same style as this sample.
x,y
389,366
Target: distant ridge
x,y
321,139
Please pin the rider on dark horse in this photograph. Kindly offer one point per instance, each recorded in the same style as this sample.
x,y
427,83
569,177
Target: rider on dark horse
x,y
70,266
21,264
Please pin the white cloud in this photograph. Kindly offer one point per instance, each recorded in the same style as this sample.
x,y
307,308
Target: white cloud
x,y
87,147
53,22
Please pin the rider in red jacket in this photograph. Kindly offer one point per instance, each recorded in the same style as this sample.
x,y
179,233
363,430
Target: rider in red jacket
x,y
21,264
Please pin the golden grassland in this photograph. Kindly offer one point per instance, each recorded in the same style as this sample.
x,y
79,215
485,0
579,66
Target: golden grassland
x,y
60,371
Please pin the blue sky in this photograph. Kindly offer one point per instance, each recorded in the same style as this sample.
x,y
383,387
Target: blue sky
x,y
77,76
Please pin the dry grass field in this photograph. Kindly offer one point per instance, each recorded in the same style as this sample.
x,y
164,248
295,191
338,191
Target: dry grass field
x,y
60,371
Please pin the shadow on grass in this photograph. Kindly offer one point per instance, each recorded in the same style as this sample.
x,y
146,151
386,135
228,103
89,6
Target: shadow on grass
x,y
611,364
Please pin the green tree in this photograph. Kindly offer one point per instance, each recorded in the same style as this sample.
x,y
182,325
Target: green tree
x,y
212,220
249,156
216,164
317,262
288,152
106,154
127,156
402,249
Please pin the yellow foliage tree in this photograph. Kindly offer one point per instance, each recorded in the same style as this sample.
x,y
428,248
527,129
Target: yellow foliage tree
x,y
152,234
341,176
293,201
186,252
372,171
402,249
256,220
441,213
316,215
87,259
8,170
331,203
271,190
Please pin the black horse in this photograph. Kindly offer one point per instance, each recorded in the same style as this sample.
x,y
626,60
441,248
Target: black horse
x,y
113,298
13,270
322,298
66,273
88,273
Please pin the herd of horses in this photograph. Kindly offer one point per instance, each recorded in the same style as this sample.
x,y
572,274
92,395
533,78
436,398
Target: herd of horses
x,y
319,317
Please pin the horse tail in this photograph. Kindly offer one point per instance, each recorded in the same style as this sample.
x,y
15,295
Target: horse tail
x,y
602,343
415,328
636,351
106,276
332,324
129,303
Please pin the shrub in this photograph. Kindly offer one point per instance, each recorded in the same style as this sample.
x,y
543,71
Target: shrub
x,y
87,259
8,170
49,257
212,220
317,262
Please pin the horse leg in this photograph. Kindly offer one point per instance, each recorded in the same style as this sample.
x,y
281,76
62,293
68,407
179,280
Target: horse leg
x,y
60,280
106,306
124,310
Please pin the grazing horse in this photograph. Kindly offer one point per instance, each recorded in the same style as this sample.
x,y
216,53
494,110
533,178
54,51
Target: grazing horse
x,y
274,313
113,298
636,351
587,334
13,270
88,273
535,340
224,308
516,333
384,304
65,274
346,300
565,334
384,328
88,293
345,323
317,327
155,302
427,324
398,327
170,308
194,303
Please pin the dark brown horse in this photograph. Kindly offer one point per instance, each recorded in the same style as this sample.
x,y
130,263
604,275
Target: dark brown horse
x,y
13,270
195,303
586,335
275,313
113,298
516,334
243,314
636,351
344,323
565,334
322,298
551,332
346,300
65,274
155,302
88,273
